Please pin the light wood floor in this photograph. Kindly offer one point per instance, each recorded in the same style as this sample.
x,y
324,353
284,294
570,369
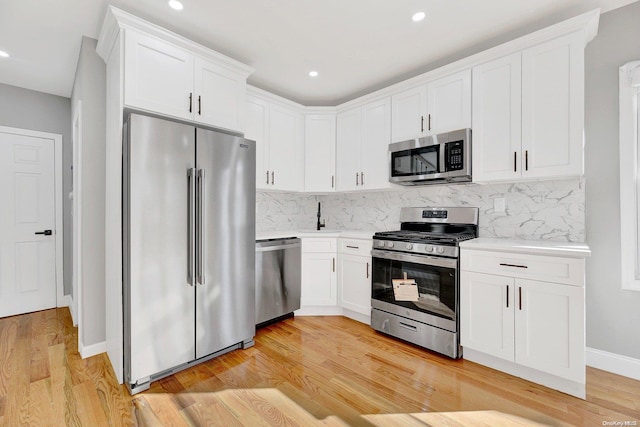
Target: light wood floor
x,y
301,372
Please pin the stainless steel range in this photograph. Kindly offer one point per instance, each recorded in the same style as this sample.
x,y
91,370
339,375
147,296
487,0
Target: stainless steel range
x,y
415,281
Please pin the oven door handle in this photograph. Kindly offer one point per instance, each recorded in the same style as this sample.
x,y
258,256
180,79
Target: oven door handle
x,y
417,259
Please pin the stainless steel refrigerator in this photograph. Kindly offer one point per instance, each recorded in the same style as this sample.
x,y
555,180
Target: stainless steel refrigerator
x,y
189,236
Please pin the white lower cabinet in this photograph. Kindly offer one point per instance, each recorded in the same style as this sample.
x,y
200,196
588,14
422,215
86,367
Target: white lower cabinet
x,y
319,277
536,328
354,278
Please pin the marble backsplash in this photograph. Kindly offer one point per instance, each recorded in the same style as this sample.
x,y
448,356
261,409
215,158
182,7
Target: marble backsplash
x,y
542,210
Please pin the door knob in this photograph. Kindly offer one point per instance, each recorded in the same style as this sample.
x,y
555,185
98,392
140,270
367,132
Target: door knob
x,y
45,232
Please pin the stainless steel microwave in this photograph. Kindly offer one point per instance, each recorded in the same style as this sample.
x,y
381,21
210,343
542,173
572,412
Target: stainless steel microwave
x,y
436,159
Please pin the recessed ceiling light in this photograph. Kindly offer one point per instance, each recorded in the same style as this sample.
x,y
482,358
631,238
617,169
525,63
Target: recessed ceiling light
x,y
175,4
313,74
3,54
418,16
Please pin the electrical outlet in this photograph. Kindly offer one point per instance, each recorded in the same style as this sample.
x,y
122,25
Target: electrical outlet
x,y
498,205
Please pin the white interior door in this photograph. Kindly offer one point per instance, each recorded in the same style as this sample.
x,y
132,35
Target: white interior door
x,y
27,191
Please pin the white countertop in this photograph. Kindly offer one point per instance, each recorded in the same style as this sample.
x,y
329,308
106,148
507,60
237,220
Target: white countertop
x,y
535,247
353,234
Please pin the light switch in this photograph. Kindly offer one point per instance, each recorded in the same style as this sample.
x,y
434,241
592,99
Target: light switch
x,y
498,205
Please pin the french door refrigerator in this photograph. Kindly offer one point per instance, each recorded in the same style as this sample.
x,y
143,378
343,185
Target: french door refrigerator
x,y
189,255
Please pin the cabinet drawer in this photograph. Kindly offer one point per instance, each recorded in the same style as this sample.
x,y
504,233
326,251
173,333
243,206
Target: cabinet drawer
x,y
321,245
569,271
355,246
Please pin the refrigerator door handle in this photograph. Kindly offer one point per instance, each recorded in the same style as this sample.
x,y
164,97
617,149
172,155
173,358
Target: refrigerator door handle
x,y
191,176
200,231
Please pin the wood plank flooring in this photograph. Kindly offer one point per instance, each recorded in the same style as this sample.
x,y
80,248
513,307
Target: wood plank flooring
x,y
302,372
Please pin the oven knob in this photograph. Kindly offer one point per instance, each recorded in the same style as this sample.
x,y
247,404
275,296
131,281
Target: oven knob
x,y
428,248
440,249
389,244
381,243
409,246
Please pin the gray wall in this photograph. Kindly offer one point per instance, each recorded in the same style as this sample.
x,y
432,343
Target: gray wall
x,y
613,315
27,109
89,87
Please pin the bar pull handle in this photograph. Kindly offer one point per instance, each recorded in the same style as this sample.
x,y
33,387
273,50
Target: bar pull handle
x,y
526,160
353,247
45,232
273,178
520,297
332,181
199,105
190,101
407,326
421,124
200,227
515,161
367,270
507,296
191,224
513,265
361,178
333,264
429,121
357,179
267,177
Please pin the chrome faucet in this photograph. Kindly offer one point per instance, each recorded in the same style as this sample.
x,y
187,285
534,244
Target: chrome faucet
x,y
319,225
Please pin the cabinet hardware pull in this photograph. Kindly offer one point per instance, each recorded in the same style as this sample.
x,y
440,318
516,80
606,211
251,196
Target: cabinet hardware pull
x,y
44,233
361,178
357,179
520,296
526,160
199,105
421,124
333,264
273,178
407,326
429,121
507,296
190,101
332,180
513,265
267,177
353,247
515,161
367,270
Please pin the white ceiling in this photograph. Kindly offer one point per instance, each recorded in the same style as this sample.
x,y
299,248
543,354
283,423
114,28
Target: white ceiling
x,y
355,45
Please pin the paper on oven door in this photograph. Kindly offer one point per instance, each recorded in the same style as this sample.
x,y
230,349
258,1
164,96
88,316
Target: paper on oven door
x,y
405,289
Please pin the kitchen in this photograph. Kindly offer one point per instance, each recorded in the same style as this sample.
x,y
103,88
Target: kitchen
x,y
543,208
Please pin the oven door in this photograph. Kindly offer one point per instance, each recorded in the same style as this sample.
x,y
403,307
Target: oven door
x,y
437,284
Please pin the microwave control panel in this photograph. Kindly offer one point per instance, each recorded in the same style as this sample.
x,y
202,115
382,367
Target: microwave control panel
x,y
454,156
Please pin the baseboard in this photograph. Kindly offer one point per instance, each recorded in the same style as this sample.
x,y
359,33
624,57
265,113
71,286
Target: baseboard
x,y
612,362
68,302
319,310
362,318
92,350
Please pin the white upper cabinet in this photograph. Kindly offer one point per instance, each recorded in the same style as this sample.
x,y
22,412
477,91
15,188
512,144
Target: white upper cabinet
x,y
320,152
553,107
528,113
441,105
278,132
449,103
363,137
497,119
164,78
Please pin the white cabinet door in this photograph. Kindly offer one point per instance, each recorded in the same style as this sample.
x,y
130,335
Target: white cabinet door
x,y
549,329
219,96
374,151
348,141
408,114
355,283
158,76
497,119
553,107
257,129
286,157
487,314
320,152
319,279
449,103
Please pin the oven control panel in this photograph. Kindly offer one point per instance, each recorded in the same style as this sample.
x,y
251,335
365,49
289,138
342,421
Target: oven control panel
x,y
416,248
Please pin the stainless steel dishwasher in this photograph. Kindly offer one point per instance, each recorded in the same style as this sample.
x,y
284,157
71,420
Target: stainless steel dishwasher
x,y
278,279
